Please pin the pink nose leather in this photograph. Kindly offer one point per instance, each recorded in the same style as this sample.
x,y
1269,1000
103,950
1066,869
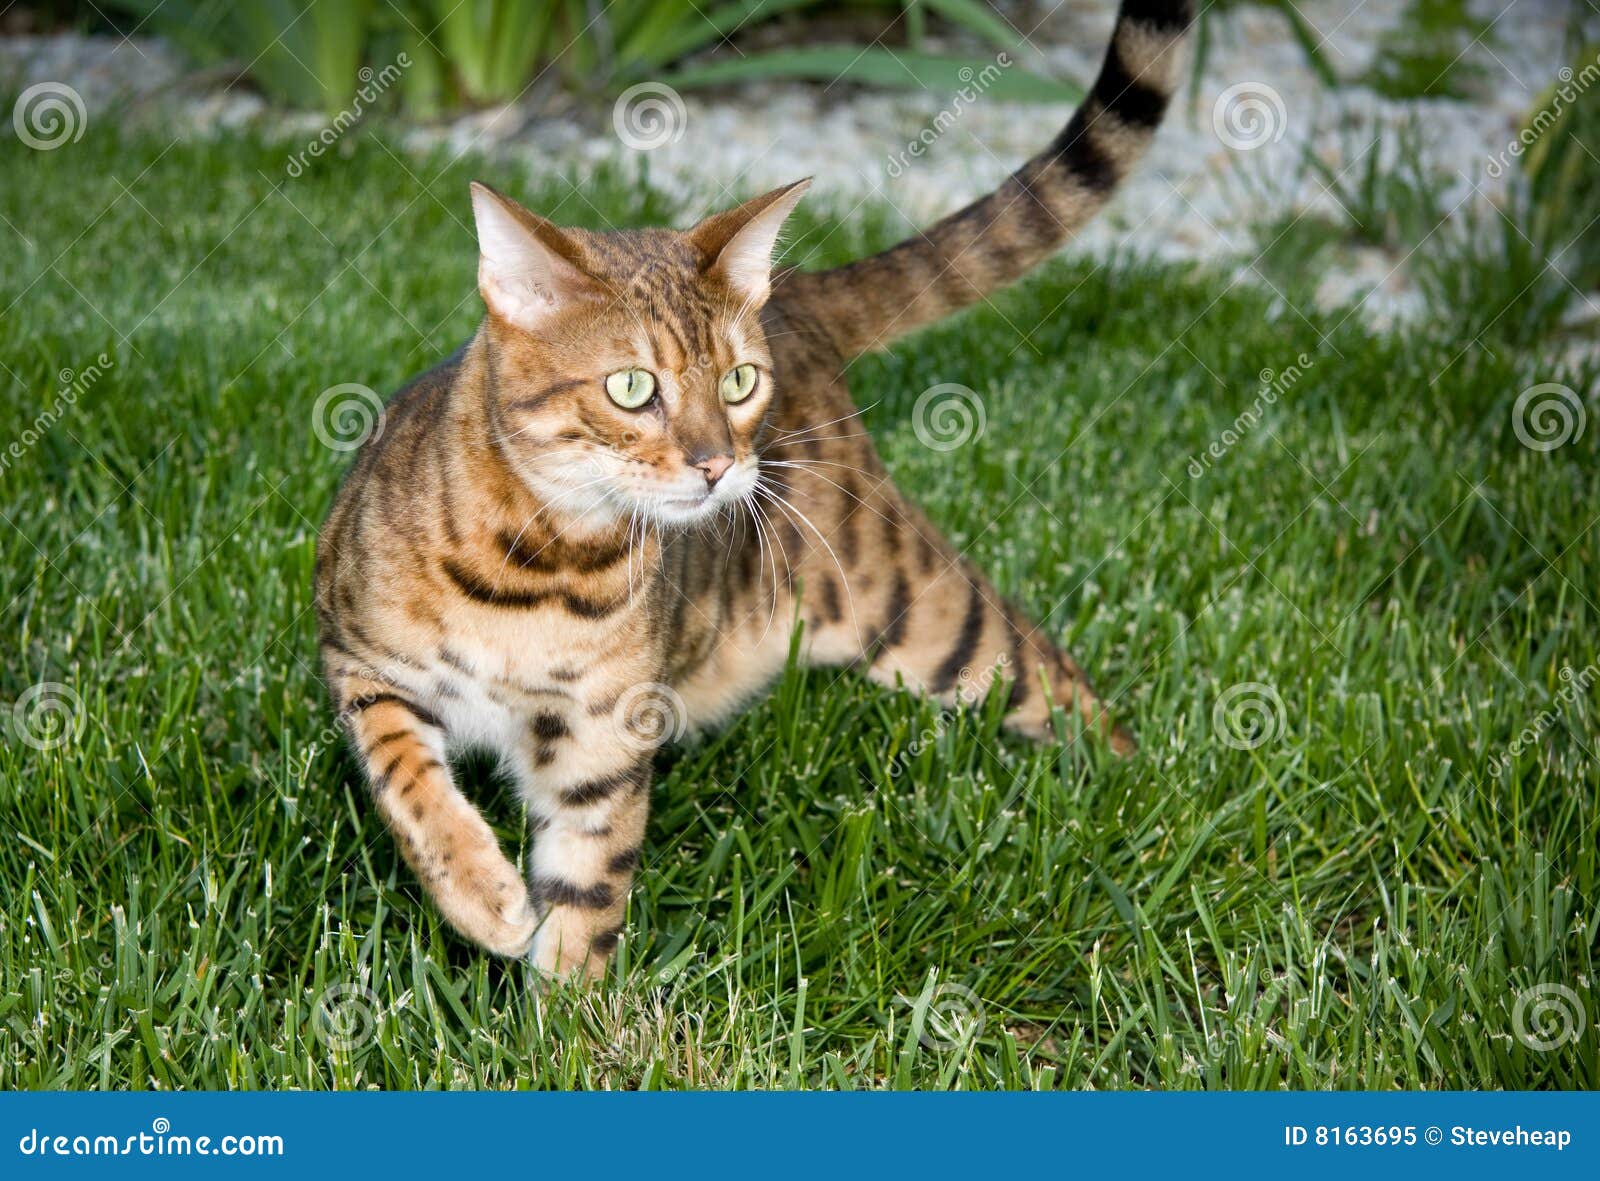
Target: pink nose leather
x,y
715,468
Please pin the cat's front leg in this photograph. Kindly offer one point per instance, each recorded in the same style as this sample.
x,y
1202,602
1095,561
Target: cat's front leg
x,y
588,798
580,881
444,838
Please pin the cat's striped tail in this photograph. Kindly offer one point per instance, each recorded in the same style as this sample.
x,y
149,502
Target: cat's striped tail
x,y
995,240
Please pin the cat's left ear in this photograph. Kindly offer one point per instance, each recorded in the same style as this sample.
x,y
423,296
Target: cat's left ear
x,y
737,244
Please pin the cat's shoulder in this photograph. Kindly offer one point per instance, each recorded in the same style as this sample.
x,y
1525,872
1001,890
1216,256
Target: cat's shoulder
x,y
429,385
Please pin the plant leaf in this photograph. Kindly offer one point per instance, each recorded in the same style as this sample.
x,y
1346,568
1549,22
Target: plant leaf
x,y
883,67
980,18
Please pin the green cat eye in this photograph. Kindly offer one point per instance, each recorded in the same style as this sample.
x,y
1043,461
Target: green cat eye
x,y
631,388
738,383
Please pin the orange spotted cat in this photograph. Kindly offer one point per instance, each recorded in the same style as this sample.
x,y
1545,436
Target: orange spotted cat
x,y
639,476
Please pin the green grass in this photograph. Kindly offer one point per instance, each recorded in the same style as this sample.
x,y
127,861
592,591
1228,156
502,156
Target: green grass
x,y
1436,52
195,887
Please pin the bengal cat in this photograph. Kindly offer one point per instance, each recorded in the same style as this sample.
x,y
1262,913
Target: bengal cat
x,y
636,479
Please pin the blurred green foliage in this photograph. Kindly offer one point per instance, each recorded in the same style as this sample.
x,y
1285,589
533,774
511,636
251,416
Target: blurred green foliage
x,y
464,53
1429,54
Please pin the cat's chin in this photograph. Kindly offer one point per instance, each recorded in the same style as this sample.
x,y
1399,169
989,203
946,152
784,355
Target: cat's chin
x,y
684,511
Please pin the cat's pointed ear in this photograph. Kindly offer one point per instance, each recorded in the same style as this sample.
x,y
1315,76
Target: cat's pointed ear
x,y
737,244
527,268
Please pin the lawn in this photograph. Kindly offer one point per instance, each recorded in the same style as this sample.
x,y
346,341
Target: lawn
x,y
1354,631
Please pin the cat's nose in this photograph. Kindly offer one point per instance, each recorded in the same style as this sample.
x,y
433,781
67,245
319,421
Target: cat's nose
x,y
714,467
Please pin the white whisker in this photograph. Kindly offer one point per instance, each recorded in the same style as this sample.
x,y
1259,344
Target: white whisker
x,y
818,426
843,577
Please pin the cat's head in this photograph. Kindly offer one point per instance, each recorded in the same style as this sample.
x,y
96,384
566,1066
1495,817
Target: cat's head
x,y
629,372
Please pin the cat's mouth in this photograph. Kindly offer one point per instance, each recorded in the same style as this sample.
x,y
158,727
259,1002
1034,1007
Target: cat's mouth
x,y
682,507
688,510
619,496
690,506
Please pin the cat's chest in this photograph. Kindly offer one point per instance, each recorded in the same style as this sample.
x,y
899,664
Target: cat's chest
x,y
498,671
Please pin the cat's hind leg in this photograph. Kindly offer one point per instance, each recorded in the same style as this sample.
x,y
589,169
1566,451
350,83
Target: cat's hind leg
x,y
896,598
955,634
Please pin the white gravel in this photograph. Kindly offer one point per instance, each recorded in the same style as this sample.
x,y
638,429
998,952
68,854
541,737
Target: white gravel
x,y
1195,197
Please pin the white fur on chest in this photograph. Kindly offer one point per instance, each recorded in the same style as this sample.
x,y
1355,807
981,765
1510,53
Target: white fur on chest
x,y
506,667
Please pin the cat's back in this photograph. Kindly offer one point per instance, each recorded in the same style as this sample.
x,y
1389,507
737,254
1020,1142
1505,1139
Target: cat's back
x,y
385,491
396,434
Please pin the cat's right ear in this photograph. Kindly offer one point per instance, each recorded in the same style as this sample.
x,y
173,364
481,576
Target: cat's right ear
x,y
528,270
